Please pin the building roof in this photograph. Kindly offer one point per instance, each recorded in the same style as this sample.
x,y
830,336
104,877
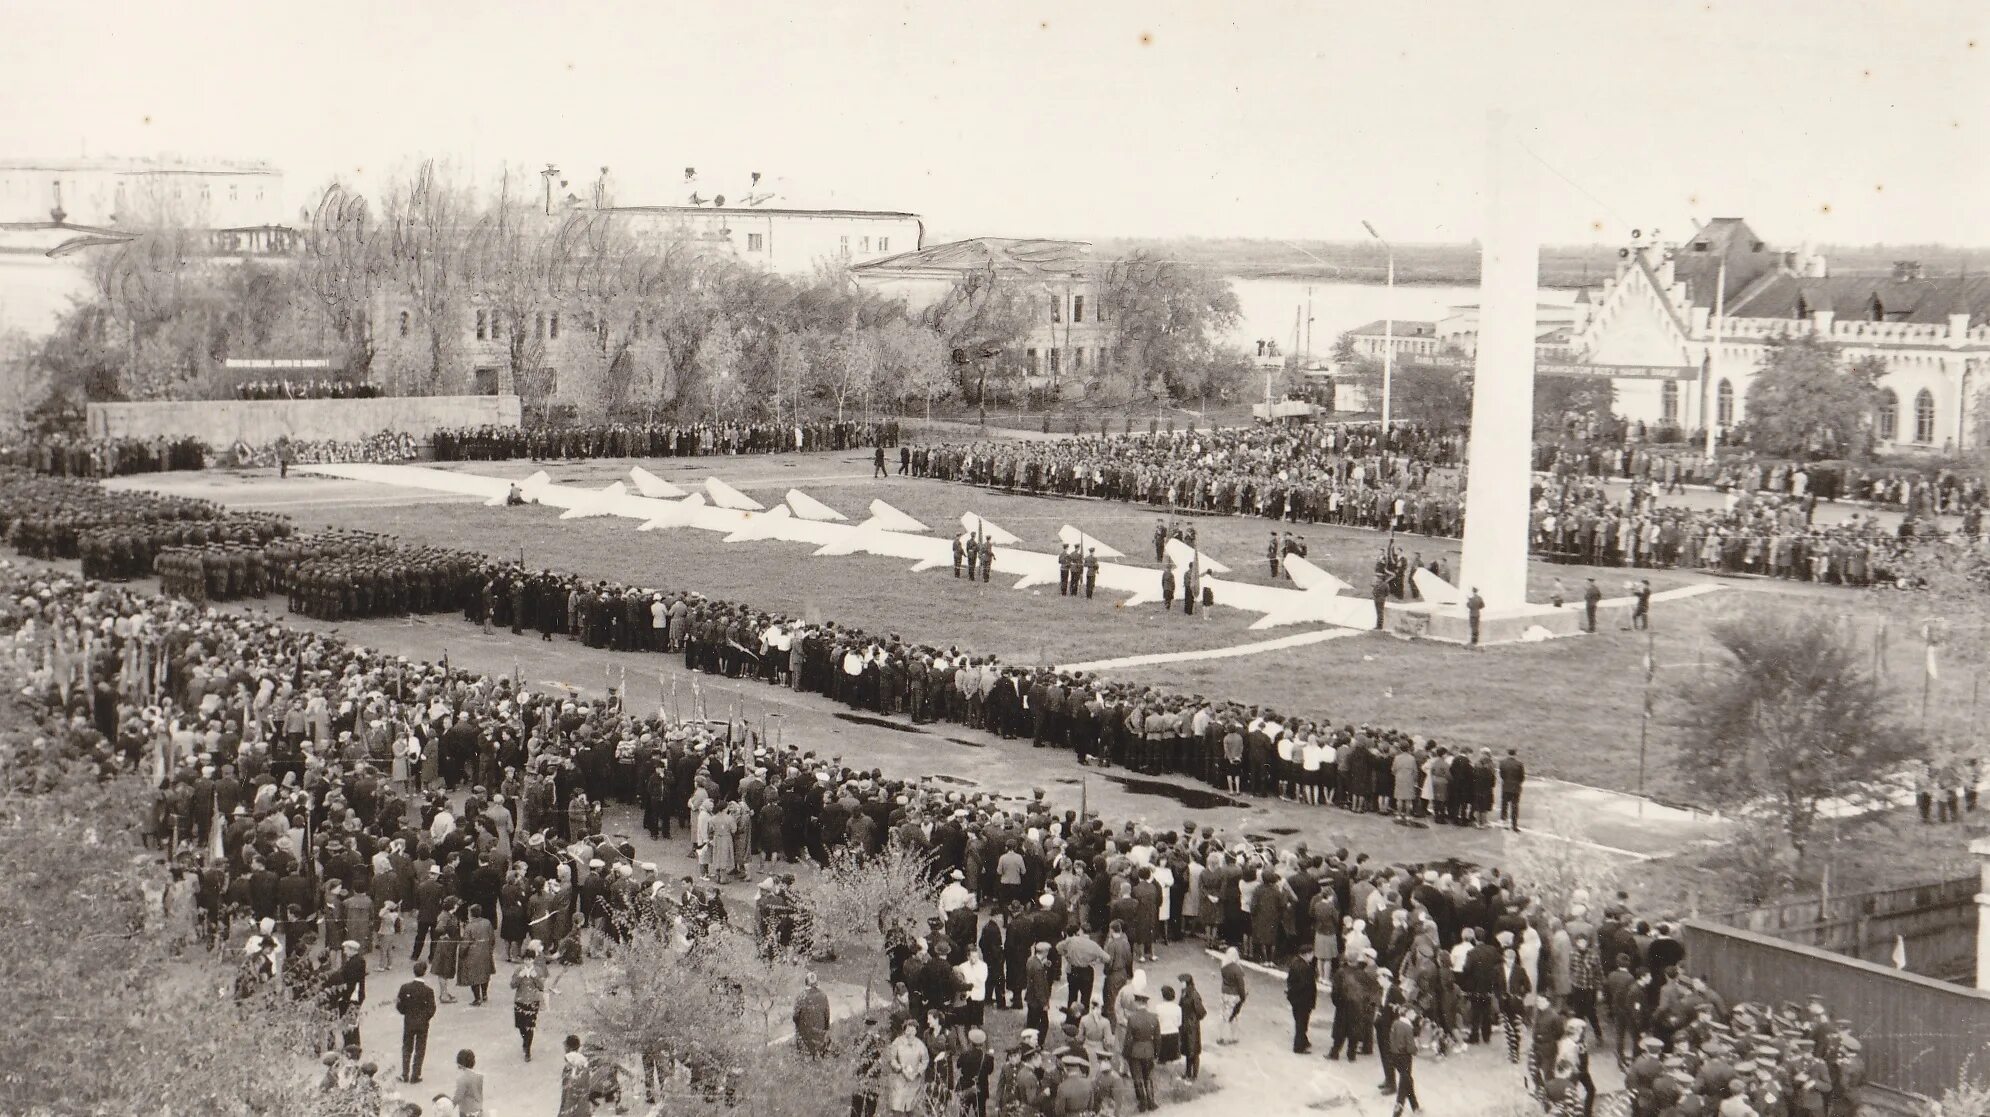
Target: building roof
x,y
1042,259
142,166
1874,298
764,211
1382,327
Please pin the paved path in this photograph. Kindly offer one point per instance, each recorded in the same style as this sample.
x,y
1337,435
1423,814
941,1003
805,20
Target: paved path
x,y
1281,643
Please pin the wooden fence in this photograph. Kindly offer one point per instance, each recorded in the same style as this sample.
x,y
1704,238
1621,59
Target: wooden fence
x,y
1937,923
1919,1033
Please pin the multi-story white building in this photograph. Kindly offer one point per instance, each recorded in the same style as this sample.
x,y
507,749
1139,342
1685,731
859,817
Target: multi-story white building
x,y
1062,277
114,193
1652,330
794,242
1658,313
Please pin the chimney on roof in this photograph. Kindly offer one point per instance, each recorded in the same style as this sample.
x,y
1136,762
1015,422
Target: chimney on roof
x,y
1906,269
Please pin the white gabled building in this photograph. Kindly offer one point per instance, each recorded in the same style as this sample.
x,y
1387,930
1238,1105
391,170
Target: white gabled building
x,y
1933,333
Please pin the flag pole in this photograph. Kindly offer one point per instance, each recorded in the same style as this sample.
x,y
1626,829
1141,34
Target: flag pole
x,y
1644,718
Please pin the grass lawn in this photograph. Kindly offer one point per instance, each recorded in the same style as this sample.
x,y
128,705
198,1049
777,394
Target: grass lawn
x,y
1572,706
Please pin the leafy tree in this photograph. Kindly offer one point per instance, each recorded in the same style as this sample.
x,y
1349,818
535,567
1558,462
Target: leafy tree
x,y
110,1011
711,1014
1344,352
1798,719
1805,401
981,320
857,897
1434,396
1166,320
1561,400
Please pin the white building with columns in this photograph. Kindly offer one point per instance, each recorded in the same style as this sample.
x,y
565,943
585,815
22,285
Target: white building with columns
x,y
1659,311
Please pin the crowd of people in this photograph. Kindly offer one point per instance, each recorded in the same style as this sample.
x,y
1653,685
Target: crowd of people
x,y
69,455
115,533
321,388
326,810
1760,533
1340,473
658,440
1669,468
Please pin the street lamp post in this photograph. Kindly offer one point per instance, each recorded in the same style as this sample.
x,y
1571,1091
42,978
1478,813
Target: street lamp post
x,y
1388,332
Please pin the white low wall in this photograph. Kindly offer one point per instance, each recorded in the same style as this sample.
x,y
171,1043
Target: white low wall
x,y
222,423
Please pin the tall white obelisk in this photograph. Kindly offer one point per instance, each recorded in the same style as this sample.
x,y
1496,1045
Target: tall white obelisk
x,y
1500,453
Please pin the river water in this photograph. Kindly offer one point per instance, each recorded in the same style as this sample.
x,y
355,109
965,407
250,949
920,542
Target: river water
x,y
1269,307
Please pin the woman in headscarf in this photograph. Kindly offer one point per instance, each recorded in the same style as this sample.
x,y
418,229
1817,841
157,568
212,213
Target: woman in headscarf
x,y
1234,993
906,1062
445,949
479,960
1193,1012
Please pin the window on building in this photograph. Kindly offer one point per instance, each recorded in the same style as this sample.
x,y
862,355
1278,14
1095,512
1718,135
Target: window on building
x,y
539,325
1030,356
754,243
1054,362
884,244
1057,308
497,326
1077,308
864,244
553,324
844,244
1724,405
1078,359
1924,416
483,325
1887,421
404,323
1668,401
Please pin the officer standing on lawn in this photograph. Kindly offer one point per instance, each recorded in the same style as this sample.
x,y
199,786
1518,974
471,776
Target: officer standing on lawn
x,y
958,552
973,552
877,464
1591,598
987,557
1168,588
1065,584
1091,570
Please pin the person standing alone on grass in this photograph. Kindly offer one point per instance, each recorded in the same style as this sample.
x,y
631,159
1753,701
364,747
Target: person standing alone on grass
x,y
877,464
1591,598
1641,611
1475,606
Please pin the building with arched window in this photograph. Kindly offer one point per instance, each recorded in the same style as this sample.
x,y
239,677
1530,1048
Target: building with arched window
x,y
1924,417
1655,320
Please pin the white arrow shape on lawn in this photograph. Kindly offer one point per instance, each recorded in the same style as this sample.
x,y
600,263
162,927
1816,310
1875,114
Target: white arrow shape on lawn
x,y
650,485
725,496
808,508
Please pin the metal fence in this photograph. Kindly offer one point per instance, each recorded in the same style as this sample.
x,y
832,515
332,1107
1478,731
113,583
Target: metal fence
x,y
1935,922
1919,1033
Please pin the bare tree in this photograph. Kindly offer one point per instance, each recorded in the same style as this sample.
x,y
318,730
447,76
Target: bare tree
x,y
345,268
425,220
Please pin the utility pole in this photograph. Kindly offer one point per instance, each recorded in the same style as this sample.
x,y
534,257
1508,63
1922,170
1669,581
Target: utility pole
x,y
1708,412
1388,333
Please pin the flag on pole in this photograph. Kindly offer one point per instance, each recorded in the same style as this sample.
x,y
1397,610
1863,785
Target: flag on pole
x,y
1899,952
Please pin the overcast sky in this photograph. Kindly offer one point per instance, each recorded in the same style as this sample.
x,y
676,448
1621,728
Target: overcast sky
x,y
1829,120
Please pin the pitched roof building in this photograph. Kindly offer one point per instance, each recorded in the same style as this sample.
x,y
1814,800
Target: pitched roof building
x,y
1659,312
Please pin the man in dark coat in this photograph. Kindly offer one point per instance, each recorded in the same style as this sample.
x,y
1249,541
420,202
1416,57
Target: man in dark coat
x,y
1302,992
416,1004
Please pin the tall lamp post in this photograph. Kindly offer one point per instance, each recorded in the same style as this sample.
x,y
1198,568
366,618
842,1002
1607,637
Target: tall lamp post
x,y
1388,331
